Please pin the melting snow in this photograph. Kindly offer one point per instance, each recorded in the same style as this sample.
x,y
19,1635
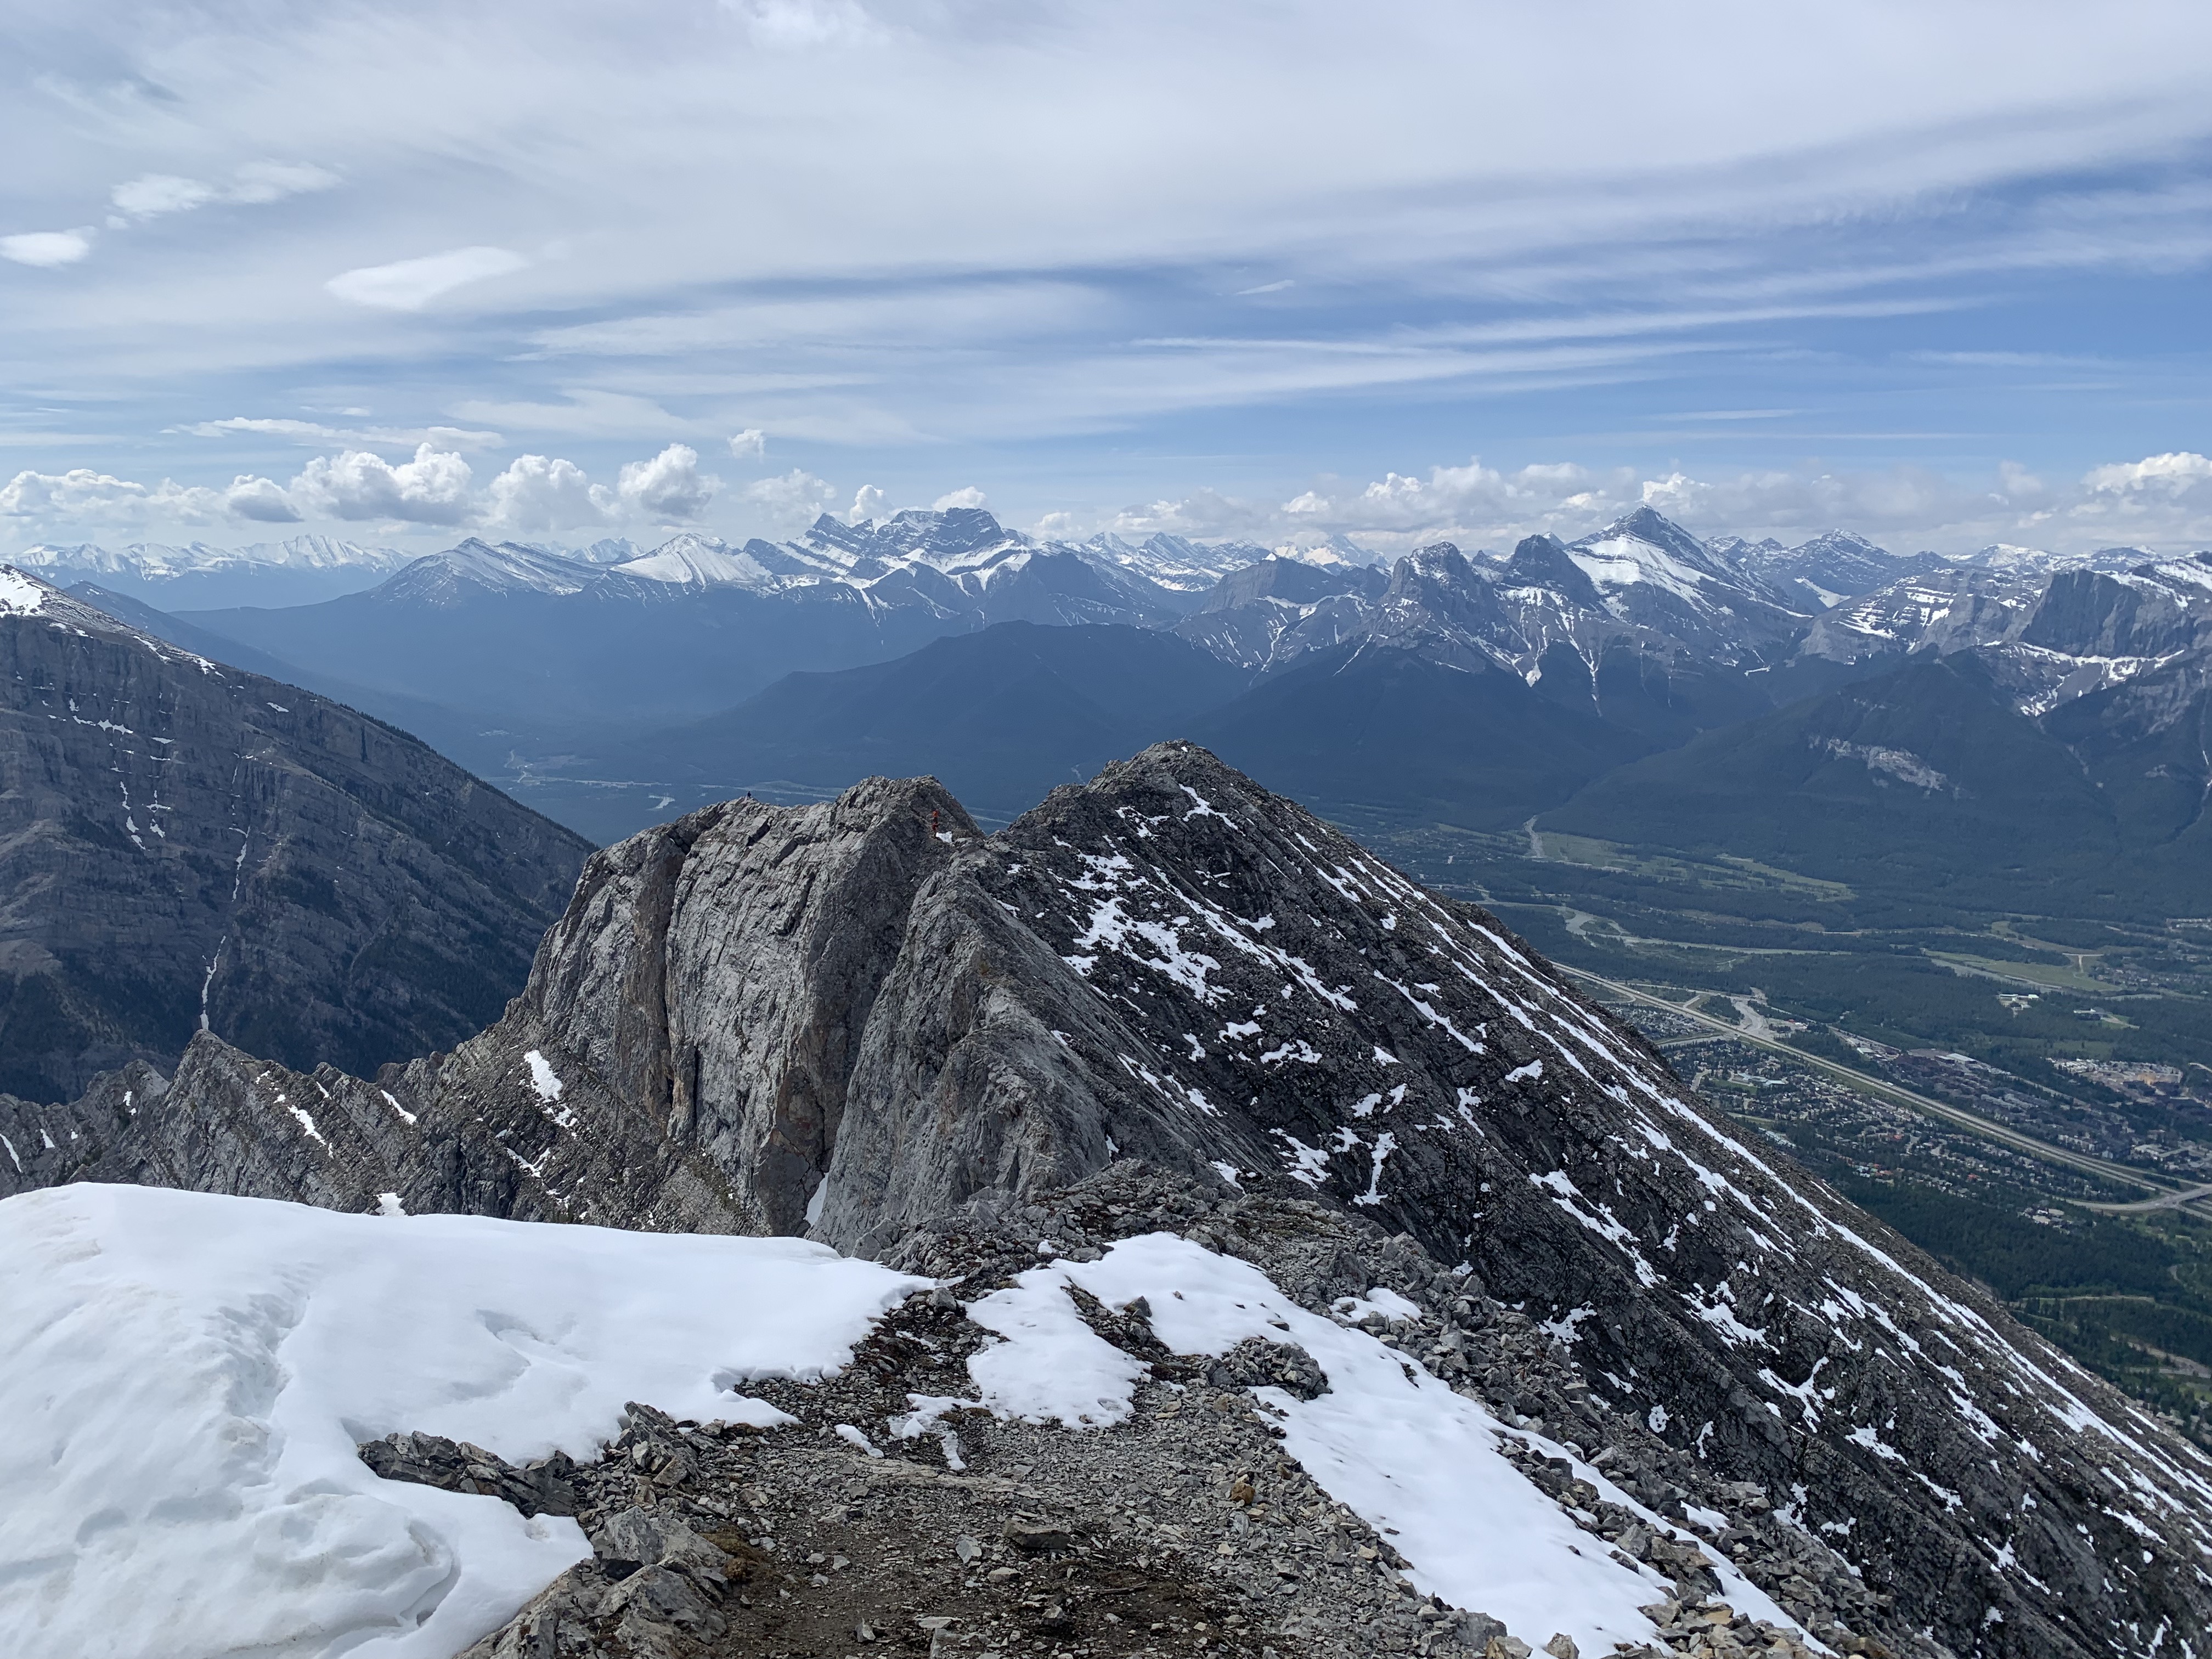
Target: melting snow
x,y
1389,1440
191,1373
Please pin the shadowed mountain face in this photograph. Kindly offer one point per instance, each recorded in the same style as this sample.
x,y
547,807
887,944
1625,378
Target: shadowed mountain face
x,y
1931,784
537,642
1000,716
184,844
855,1018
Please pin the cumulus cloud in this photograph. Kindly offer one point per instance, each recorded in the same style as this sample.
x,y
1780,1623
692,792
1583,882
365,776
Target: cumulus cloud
x,y
84,496
432,489
539,492
46,248
2172,474
970,496
669,488
794,498
751,444
867,501
262,500
410,284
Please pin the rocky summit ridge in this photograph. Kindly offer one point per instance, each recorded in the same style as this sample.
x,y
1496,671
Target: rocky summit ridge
x,y
867,1022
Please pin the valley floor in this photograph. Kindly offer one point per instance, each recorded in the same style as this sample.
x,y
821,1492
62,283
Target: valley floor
x,y
2027,1098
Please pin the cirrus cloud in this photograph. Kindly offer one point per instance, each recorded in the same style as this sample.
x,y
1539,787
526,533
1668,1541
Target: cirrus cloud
x,y
412,284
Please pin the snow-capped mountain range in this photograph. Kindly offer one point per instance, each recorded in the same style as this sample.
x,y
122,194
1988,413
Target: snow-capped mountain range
x,y
1641,550
161,559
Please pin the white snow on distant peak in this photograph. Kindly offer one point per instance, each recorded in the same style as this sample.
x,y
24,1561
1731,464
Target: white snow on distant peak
x,y
2193,573
19,595
1618,562
1173,562
156,560
697,562
189,1374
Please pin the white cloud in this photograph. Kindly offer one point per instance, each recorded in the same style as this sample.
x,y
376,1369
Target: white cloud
x,y
2161,502
432,489
585,413
315,432
537,492
84,496
794,499
751,444
669,488
160,193
2171,473
46,248
867,501
410,284
152,194
798,25
262,500
272,181
970,496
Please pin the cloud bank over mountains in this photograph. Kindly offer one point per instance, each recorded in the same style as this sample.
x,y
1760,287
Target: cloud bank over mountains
x,y
437,487
2161,502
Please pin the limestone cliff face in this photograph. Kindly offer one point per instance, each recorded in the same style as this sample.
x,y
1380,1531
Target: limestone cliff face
x,y
854,1018
185,844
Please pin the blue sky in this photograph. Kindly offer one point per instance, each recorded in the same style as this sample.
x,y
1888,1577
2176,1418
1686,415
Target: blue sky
x,y
1278,271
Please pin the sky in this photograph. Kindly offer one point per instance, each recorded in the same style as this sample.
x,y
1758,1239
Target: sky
x,y
1278,271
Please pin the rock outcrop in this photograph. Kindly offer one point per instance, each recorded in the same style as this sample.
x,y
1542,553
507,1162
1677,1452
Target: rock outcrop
x,y
859,1018
184,845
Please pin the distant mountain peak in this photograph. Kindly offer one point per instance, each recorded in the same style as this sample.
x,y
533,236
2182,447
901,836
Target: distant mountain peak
x,y
1648,524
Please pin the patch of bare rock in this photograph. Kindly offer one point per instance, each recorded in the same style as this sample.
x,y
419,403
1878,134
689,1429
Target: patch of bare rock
x,y
1185,1530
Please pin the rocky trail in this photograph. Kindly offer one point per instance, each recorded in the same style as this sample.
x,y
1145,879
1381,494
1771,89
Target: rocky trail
x,y
1187,1528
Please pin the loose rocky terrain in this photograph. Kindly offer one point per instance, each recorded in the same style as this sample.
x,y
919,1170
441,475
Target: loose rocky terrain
x,y
1186,1530
187,847
867,1022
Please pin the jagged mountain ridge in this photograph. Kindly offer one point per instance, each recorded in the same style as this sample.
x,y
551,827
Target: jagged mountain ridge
x,y
1420,690
298,570
850,1019
184,843
543,644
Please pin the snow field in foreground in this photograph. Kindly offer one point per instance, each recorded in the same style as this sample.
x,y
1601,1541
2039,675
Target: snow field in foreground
x,y
191,1373
188,1375
1389,1441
